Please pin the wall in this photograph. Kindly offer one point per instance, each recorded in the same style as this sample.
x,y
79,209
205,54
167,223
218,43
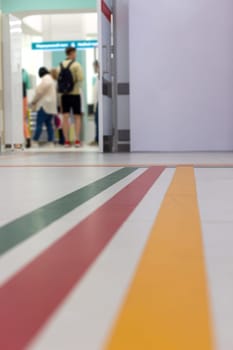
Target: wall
x,y
12,79
181,75
69,27
9,6
31,60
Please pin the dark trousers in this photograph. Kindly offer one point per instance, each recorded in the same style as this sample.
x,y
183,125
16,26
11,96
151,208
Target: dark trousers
x,y
61,138
97,124
44,118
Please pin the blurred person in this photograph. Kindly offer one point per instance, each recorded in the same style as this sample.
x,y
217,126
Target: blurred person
x,y
58,128
72,134
54,74
70,77
58,118
26,128
96,67
45,103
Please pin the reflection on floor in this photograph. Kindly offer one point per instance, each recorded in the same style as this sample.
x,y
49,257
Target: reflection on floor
x,y
115,252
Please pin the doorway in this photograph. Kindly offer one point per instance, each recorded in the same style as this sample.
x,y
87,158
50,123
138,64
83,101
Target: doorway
x,y
47,27
54,33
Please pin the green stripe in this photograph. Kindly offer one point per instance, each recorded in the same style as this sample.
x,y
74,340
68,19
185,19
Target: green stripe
x,y
30,224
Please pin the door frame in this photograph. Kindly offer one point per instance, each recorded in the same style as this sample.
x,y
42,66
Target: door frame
x,y
113,66
22,15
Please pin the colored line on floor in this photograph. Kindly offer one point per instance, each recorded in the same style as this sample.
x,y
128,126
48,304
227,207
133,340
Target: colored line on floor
x,y
30,224
167,306
31,296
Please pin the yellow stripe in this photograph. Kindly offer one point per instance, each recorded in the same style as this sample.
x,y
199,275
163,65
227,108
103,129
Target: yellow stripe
x,y
167,306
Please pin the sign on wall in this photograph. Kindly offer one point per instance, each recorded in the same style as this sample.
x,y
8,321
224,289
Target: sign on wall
x,y
62,45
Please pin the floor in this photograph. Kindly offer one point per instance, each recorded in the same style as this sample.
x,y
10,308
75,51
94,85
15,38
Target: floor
x,y
116,251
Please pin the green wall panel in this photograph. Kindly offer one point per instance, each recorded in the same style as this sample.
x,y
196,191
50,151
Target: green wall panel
x,y
9,6
57,58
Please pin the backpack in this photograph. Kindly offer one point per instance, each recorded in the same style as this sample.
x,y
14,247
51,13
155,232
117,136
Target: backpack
x,y
65,79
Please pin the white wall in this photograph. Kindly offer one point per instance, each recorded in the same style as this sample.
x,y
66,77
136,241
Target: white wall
x,y
181,68
31,60
76,26
12,80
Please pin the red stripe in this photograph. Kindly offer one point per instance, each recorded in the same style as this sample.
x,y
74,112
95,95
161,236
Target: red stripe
x,y
31,296
106,11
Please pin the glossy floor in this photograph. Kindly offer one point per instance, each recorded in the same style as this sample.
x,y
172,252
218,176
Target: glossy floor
x,y
124,251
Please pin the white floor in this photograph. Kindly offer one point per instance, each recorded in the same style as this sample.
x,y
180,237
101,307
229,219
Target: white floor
x,y
89,156
30,180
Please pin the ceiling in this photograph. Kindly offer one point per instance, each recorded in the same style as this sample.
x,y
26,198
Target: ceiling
x,y
62,26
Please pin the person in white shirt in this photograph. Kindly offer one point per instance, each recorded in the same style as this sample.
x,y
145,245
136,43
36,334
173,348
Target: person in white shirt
x,y
45,103
96,67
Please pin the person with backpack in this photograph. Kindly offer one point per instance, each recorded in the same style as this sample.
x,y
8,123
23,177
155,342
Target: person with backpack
x,y
70,77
